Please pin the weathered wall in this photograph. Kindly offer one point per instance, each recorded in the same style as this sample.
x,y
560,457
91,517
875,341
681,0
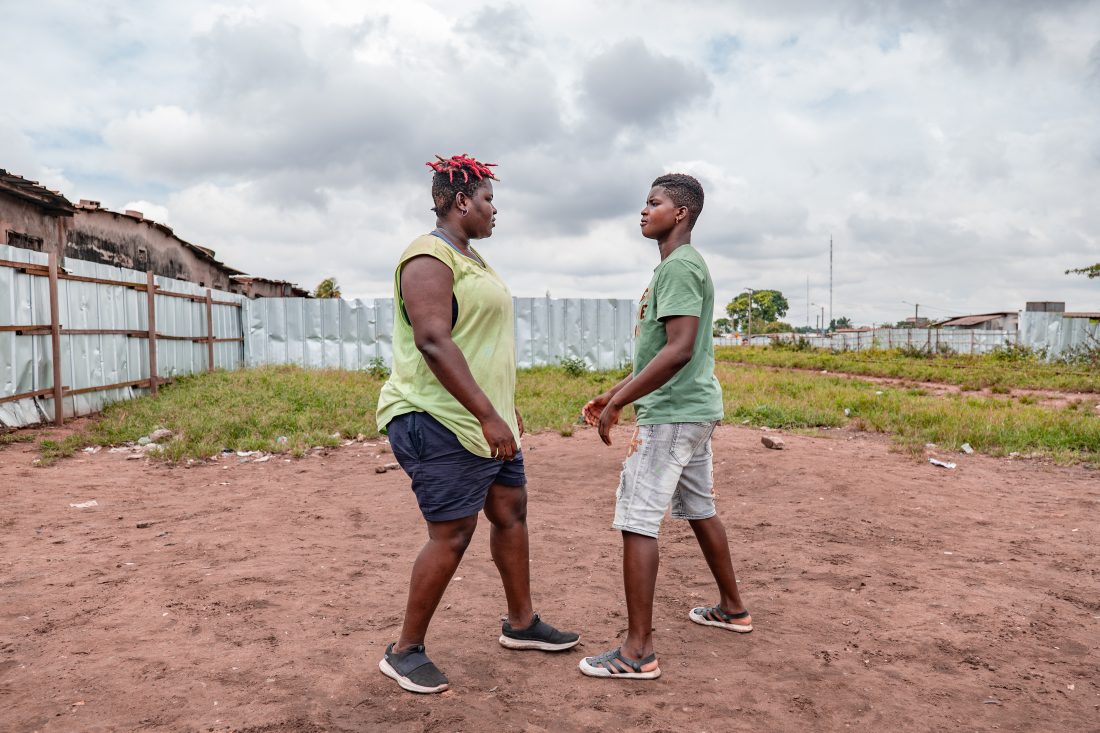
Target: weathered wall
x,y
111,238
25,218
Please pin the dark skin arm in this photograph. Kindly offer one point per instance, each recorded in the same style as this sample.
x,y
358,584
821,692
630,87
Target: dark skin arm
x,y
604,411
427,287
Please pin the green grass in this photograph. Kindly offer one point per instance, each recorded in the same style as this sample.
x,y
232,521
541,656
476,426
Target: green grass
x,y
1002,374
992,425
15,437
250,409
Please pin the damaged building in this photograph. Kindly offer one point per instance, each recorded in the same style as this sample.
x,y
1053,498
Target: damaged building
x,y
36,218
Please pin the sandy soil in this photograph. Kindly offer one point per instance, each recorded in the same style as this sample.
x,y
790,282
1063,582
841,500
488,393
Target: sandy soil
x,y
886,594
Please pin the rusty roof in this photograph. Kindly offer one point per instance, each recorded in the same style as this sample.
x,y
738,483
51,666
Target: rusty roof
x,y
203,252
975,319
32,191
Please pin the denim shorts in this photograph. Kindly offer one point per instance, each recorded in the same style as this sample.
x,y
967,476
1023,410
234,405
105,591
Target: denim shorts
x,y
666,464
449,481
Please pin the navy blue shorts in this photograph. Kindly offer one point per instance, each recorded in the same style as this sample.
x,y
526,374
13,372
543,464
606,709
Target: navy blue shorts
x,y
449,481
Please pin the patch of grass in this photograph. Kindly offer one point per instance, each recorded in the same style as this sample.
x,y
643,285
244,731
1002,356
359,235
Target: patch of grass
x,y
251,409
551,398
991,425
16,436
1022,371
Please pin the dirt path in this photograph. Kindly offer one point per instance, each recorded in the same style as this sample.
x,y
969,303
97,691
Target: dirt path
x,y
886,593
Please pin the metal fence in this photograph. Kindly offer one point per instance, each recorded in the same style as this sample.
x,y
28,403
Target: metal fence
x,y
75,338
350,334
81,336
1051,333
84,335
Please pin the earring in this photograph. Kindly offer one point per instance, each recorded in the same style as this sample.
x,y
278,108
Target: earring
x,y
464,212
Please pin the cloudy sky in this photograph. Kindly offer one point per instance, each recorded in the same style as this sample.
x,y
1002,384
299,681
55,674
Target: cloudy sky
x,y
951,149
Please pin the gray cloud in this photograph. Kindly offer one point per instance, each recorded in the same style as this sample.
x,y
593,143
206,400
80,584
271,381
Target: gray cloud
x,y
951,148
631,86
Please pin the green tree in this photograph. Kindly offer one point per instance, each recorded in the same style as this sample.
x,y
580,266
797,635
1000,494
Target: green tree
x,y
842,322
722,327
767,306
1092,271
327,288
773,327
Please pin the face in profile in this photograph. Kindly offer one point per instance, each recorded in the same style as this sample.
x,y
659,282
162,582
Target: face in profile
x,y
658,214
481,214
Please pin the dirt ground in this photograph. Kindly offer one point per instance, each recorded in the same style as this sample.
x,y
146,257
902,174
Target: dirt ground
x,y
886,594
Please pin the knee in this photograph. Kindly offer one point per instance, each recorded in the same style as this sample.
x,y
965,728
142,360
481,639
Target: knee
x,y
458,538
507,514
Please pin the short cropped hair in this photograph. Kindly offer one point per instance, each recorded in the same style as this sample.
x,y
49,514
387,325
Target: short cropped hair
x,y
684,190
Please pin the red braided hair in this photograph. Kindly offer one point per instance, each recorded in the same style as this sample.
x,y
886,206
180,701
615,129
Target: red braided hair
x,y
446,185
463,164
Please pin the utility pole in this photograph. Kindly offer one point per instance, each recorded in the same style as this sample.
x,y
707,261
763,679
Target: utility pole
x,y
807,301
916,314
830,279
822,320
750,315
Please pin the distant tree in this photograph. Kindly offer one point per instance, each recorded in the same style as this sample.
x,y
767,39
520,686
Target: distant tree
x,y
722,327
327,288
767,306
773,327
842,322
1092,271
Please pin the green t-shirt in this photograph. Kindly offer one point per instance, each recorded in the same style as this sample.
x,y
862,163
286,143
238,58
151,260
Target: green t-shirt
x,y
681,286
484,333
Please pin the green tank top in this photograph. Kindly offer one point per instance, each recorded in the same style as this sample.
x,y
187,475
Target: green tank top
x,y
483,330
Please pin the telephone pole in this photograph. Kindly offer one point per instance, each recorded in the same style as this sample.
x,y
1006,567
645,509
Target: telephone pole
x,y
807,301
750,316
830,280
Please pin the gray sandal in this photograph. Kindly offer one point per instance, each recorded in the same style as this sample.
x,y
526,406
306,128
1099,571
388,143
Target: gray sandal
x,y
715,616
614,664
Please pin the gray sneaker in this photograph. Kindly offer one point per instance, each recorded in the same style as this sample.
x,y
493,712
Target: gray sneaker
x,y
413,670
539,635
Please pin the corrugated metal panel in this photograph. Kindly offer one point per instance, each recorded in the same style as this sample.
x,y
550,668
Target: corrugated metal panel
x,y
25,360
89,360
349,334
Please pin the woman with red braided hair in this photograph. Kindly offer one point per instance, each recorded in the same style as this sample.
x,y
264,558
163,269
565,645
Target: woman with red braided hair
x,y
449,409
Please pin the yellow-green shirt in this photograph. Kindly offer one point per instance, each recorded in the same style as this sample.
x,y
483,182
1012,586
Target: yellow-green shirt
x,y
484,333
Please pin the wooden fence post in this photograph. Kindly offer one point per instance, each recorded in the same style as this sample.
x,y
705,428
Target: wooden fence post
x,y
209,330
151,307
55,344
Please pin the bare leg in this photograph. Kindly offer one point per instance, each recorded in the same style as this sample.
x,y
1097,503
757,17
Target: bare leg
x,y
506,510
711,535
641,559
432,572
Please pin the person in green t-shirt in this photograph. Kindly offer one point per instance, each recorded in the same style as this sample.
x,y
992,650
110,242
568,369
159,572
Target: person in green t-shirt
x,y
678,403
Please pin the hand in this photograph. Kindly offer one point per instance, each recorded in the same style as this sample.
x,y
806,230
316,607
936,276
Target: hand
x,y
498,434
594,408
519,422
608,418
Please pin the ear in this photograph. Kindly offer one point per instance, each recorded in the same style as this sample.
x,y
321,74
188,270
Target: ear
x,y
682,214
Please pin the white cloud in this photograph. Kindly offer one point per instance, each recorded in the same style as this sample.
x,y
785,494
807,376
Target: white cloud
x,y
952,150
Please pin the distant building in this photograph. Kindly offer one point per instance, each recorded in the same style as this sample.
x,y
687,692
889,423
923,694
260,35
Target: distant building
x,y
130,240
36,218
262,287
999,321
